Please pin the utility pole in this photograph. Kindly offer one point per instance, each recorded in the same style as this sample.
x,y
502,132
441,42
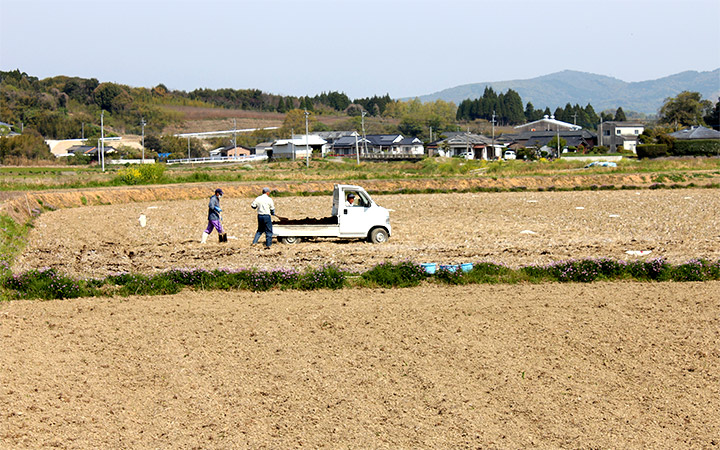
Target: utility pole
x,y
575,118
493,134
292,142
82,132
235,136
188,148
102,138
307,138
362,119
143,123
357,150
557,130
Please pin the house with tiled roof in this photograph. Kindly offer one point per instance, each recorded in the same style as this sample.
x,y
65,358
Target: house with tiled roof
x,y
539,139
395,144
694,133
462,143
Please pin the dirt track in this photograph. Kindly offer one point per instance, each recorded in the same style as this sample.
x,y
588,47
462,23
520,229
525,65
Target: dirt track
x,y
512,228
623,365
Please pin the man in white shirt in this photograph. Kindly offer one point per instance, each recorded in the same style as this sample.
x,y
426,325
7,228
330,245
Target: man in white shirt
x,y
350,200
265,209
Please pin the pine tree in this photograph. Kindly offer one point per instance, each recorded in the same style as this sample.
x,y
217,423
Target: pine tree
x,y
620,115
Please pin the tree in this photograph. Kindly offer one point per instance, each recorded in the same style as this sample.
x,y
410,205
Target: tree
x,y
606,117
295,121
410,126
592,117
712,119
685,110
620,115
513,108
105,95
553,143
530,112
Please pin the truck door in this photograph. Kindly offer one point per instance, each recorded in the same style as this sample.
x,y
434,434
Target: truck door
x,y
354,219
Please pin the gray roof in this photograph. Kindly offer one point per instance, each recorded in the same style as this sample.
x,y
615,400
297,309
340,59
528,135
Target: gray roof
x,y
573,138
347,141
563,134
465,138
696,133
333,135
382,139
410,141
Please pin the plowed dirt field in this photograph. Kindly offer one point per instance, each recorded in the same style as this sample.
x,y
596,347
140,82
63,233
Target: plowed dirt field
x,y
513,228
604,365
601,365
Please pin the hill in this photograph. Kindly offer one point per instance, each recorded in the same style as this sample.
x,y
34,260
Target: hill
x,y
601,91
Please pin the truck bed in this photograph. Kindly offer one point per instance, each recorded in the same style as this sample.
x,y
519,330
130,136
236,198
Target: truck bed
x,y
307,227
332,220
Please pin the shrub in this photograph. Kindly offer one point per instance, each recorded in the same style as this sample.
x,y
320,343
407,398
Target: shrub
x,y
404,274
152,173
190,277
488,272
142,174
448,276
651,150
136,284
327,277
653,269
46,284
699,147
696,270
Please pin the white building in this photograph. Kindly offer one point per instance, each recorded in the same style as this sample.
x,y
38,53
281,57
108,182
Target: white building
x,y
298,147
622,135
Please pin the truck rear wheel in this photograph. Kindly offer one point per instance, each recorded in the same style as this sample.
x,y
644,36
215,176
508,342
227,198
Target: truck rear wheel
x,y
290,240
378,236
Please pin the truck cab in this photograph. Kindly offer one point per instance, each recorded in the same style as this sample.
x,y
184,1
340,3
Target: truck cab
x,y
359,218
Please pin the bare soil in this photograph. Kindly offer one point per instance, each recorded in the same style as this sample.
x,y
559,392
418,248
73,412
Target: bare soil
x,y
516,229
605,365
608,365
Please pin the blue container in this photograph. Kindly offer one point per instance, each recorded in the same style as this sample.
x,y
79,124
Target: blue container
x,y
466,267
449,268
429,267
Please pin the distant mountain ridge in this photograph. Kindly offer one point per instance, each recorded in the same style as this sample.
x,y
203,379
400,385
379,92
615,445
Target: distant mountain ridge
x,y
602,92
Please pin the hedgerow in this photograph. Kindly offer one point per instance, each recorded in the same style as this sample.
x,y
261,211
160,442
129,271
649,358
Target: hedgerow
x,y
49,284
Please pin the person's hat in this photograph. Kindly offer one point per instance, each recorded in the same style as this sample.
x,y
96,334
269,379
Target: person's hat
x,y
266,190
351,195
219,191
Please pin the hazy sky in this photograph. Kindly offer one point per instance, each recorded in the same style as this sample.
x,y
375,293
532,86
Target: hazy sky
x,y
363,48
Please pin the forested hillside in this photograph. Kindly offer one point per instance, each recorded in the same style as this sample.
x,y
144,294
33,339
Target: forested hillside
x,y
68,107
603,92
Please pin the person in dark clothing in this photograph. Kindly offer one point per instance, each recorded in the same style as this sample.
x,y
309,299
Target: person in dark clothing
x,y
214,218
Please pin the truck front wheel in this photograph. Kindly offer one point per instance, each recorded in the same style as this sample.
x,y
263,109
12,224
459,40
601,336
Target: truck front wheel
x,y
290,240
378,236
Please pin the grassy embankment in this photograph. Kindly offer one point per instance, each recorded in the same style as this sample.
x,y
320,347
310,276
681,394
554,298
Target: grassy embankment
x,y
49,284
43,178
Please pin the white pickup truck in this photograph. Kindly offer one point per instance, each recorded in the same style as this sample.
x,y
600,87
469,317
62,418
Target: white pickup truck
x,y
364,219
